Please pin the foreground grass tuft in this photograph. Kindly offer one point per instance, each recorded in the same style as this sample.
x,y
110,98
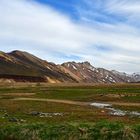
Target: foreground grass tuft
x,y
98,131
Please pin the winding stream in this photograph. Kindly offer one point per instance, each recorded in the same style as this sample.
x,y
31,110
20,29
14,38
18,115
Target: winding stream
x,y
115,112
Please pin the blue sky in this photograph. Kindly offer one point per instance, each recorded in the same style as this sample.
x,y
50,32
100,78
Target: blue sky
x,y
71,9
104,32
62,6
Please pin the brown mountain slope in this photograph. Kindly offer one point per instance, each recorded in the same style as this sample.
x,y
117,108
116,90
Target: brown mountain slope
x,y
22,66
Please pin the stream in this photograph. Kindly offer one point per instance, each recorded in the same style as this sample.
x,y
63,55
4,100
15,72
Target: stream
x,y
115,112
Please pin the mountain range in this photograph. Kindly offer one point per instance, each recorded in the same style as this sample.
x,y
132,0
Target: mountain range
x,y
21,66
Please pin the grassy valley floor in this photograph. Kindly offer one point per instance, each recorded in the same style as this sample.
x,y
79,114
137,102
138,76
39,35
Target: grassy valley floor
x,y
40,112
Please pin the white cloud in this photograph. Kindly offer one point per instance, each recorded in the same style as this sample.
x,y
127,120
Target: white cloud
x,y
45,32
124,6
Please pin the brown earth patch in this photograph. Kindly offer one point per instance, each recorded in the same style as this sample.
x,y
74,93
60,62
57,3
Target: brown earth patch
x,y
75,102
17,94
54,100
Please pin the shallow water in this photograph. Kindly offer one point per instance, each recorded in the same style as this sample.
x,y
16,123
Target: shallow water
x,y
100,105
50,114
115,112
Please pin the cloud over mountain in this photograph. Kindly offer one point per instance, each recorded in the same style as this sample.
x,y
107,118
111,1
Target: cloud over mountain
x,y
107,34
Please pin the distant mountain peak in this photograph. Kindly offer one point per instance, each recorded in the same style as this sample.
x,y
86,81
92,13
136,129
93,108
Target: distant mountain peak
x,y
136,73
77,63
88,73
86,63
